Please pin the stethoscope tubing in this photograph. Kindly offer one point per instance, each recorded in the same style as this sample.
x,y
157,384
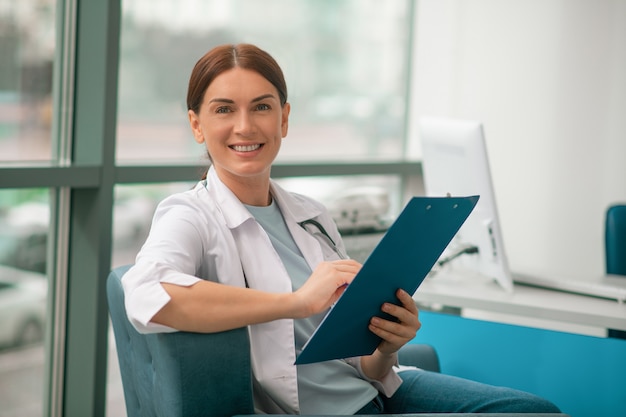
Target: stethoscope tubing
x,y
324,233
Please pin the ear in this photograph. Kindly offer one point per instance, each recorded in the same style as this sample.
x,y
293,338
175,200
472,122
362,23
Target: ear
x,y
284,123
194,122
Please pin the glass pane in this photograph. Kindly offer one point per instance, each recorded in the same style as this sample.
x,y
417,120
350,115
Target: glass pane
x,y
345,62
24,219
27,42
132,216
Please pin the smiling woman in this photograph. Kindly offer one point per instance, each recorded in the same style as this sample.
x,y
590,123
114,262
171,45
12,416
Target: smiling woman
x,y
233,252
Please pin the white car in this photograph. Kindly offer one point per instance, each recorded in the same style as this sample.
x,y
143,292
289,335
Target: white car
x,y
24,236
23,297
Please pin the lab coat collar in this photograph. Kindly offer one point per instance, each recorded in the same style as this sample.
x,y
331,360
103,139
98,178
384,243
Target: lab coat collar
x,y
298,209
235,213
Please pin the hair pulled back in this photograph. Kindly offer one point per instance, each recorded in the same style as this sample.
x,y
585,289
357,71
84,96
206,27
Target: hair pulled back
x,y
225,57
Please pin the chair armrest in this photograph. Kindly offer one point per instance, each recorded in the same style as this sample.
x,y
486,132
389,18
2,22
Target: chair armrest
x,y
202,374
180,374
419,355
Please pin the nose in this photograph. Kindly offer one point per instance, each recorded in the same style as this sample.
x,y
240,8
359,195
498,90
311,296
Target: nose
x,y
244,125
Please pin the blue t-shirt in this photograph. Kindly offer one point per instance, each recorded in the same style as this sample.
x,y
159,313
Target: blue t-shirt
x,y
332,387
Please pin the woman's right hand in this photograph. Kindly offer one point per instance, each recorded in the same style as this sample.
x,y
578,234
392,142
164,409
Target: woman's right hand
x,y
208,306
325,285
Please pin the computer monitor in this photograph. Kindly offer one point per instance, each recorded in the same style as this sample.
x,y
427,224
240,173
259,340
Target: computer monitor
x,y
455,162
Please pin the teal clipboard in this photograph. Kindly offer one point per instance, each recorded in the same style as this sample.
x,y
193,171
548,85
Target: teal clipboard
x,y
402,259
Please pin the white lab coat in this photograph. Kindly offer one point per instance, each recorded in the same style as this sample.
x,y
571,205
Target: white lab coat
x,y
207,233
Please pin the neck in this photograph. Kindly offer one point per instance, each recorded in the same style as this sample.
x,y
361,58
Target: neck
x,y
263,199
251,191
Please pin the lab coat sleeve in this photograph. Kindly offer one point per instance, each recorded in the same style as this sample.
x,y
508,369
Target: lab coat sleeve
x,y
388,385
171,254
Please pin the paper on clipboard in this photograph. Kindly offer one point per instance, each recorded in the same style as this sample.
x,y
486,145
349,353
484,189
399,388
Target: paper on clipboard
x,y
402,259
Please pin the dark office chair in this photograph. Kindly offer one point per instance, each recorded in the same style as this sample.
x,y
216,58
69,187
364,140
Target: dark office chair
x,y
615,239
193,374
615,248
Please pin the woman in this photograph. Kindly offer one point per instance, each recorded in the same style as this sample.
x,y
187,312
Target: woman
x,y
231,253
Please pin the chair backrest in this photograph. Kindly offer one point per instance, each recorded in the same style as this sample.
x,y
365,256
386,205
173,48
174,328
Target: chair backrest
x,y
180,373
615,236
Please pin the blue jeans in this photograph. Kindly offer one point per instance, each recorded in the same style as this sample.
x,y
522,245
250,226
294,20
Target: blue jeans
x,y
430,392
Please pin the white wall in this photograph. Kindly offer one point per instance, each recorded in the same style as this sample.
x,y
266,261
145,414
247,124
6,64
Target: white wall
x,y
548,79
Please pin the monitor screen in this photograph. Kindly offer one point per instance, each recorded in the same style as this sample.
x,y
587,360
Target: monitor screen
x,y
455,163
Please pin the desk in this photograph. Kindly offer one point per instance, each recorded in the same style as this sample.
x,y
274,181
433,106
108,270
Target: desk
x,y
469,291
583,375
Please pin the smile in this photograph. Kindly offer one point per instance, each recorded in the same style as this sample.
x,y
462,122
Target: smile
x,y
246,148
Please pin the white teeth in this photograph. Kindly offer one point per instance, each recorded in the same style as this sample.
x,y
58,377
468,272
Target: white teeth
x,y
247,148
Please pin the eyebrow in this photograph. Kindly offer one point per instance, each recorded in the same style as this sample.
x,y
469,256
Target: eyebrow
x,y
254,100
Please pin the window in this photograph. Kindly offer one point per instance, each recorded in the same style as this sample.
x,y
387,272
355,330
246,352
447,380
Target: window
x,y
345,62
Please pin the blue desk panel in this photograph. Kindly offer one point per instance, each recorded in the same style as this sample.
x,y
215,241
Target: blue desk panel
x,y
585,376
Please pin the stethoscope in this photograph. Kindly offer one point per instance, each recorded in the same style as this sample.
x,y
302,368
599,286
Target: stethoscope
x,y
324,234
320,232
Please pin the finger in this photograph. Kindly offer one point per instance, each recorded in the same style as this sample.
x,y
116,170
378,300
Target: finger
x,y
346,276
407,301
351,263
398,330
389,337
400,312
406,318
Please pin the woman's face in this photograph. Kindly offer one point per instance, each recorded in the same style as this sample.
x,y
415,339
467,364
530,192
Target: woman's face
x,y
242,124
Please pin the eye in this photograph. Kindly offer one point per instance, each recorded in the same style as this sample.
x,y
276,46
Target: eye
x,y
263,106
223,109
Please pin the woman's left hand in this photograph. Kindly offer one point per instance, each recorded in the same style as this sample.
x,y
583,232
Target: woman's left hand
x,y
396,334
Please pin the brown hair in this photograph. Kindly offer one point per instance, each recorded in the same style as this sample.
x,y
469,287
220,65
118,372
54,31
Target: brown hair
x,y
225,57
